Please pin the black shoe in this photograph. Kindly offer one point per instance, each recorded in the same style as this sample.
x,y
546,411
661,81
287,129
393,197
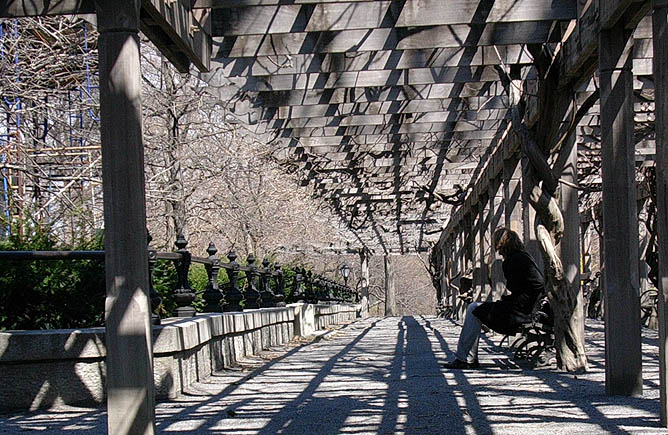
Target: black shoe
x,y
459,365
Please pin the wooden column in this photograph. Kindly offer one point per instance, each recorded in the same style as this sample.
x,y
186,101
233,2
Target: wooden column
x,y
496,205
390,295
476,230
483,245
468,231
364,271
473,246
461,266
512,195
623,368
128,339
461,243
660,34
444,282
498,210
452,266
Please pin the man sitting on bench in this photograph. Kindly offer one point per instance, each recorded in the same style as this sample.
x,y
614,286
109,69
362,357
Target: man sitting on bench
x,y
525,284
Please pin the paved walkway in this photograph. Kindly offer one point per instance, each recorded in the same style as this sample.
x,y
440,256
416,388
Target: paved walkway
x,y
385,376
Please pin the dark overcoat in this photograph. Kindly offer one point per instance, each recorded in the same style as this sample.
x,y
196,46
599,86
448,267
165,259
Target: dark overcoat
x,y
525,284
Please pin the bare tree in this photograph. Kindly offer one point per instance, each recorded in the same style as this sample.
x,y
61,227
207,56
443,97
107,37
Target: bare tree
x,y
206,177
49,140
215,181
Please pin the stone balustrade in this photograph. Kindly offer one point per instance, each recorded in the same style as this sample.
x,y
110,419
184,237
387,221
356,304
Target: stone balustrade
x,y
46,368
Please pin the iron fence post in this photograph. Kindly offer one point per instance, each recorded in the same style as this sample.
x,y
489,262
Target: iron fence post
x,y
280,285
252,295
183,294
308,296
233,295
323,288
212,294
267,296
334,291
297,294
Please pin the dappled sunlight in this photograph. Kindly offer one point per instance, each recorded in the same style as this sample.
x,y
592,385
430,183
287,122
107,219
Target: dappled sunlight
x,y
386,376
391,380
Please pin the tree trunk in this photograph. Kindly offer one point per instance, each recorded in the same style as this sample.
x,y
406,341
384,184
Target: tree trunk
x,y
569,341
176,199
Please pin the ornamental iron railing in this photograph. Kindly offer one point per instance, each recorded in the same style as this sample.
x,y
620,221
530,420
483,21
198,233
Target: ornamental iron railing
x,y
251,285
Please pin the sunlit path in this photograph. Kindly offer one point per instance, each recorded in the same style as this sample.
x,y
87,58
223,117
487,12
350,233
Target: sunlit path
x,y
385,376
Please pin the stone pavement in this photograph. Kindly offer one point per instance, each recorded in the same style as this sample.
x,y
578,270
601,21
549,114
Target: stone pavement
x,y
384,375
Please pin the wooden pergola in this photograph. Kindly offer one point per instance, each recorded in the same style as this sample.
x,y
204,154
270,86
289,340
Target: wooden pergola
x,y
411,118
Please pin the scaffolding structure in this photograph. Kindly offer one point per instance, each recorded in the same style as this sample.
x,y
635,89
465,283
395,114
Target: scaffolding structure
x,y
50,156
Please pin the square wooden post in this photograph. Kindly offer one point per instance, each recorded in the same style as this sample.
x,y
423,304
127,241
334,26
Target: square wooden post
x,y
390,295
450,263
498,210
512,195
480,258
129,381
364,268
660,35
623,368
468,235
460,259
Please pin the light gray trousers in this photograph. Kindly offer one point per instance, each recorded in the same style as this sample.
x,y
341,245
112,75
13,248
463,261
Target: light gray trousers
x,y
467,348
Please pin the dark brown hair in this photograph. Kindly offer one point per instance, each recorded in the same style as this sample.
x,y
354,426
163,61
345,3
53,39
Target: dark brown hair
x,y
507,241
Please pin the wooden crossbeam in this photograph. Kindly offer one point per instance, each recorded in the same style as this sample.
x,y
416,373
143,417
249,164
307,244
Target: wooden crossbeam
x,y
450,157
382,90
389,60
477,105
362,79
327,17
451,36
447,121
444,159
173,29
466,108
422,163
385,176
382,182
382,93
396,133
447,157
435,138
371,60
358,191
219,4
435,116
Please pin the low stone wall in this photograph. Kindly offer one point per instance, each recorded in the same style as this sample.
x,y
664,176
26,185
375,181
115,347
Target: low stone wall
x,y
43,369
328,315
